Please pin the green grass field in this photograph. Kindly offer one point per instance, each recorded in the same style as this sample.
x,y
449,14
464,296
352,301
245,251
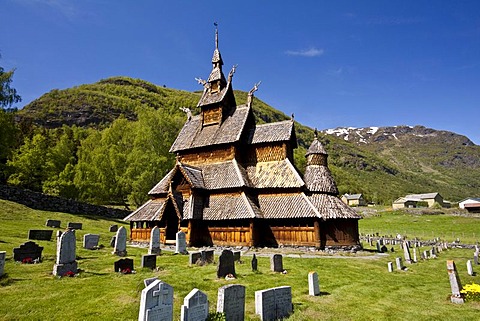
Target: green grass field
x,y
354,287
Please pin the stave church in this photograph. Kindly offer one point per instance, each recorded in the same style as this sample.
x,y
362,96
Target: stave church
x,y
234,182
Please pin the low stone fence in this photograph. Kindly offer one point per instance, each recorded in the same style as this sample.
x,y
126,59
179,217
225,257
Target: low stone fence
x,y
45,202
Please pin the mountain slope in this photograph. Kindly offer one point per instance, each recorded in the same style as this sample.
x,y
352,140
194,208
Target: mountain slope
x,y
382,163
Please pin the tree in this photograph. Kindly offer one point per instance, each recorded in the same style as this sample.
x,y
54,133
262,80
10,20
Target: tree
x,y
8,95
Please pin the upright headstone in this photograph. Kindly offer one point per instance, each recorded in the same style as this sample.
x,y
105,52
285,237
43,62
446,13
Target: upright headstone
x,y
156,302
231,302
236,255
123,265
415,255
455,284
379,247
3,255
90,241
208,256
66,254
74,226
469,268
27,251
313,285
406,252
276,263
390,266
41,235
181,243
154,246
425,255
149,261
113,228
226,264
195,306
274,304
149,281
112,241
195,258
53,223
475,257
254,263
398,262
120,248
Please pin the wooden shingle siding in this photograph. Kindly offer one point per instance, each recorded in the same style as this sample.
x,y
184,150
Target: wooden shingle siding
x,y
209,156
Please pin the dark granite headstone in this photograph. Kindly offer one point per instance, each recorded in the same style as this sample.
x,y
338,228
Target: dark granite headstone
x,y
208,256
236,256
226,264
194,257
28,250
42,235
254,263
149,261
276,263
52,223
123,264
74,226
112,241
113,228
384,249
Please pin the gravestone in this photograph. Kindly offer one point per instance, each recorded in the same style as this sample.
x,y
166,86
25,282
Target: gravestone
x,y
3,255
66,254
415,255
113,228
231,302
156,302
74,226
120,247
194,258
154,246
58,234
475,257
226,264
149,261
90,241
406,252
123,265
149,281
384,249
379,247
425,255
276,263
28,250
274,304
112,241
41,235
181,243
254,263
390,266
236,255
52,223
470,268
398,262
208,256
195,306
455,284
313,285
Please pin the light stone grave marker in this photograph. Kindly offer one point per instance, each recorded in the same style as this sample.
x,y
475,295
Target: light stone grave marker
x,y
149,261
415,255
470,268
3,255
379,247
154,246
120,247
156,302
398,262
406,252
276,263
475,257
313,285
274,303
390,266
231,302
425,255
181,243
66,254
455,284
90,241
195,306
226,264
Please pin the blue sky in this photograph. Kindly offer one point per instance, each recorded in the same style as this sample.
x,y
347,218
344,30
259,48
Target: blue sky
x,y
331,63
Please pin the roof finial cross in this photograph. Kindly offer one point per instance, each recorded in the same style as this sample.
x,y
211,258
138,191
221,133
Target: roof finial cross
x,y
216,34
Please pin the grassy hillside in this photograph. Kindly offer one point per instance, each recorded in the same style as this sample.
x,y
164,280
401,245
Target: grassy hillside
x,y
382,170
354,287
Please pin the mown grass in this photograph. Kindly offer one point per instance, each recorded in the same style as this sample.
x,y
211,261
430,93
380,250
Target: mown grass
x,y
353,288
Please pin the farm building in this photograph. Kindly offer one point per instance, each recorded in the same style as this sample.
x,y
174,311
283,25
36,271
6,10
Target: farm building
x,y
354,199
413,200
235,183
471,204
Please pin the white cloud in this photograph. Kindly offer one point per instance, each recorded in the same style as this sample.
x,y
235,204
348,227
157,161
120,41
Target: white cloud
x,y
312,52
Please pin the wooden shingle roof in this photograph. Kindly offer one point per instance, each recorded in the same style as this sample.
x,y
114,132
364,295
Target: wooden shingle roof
x,y
230,207
318,178
331,207
291,205
272,132
224,175
275,174
153,210
192,174
316,148
194,135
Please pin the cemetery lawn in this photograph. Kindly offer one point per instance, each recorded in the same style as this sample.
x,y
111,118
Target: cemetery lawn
x,y
354,287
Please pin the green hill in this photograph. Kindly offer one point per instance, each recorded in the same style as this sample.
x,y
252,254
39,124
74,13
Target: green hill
x,y
381,168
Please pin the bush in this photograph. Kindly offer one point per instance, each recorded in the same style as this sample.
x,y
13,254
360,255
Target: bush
x,y
471,292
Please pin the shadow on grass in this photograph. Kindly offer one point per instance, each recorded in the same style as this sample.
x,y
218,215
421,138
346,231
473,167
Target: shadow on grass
x,y
86,273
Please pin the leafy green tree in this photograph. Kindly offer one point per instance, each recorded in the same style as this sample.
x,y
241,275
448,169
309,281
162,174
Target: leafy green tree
x,y
8,95
8,140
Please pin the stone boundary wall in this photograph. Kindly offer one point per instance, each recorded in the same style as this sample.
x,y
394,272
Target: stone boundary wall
x,y
45,202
